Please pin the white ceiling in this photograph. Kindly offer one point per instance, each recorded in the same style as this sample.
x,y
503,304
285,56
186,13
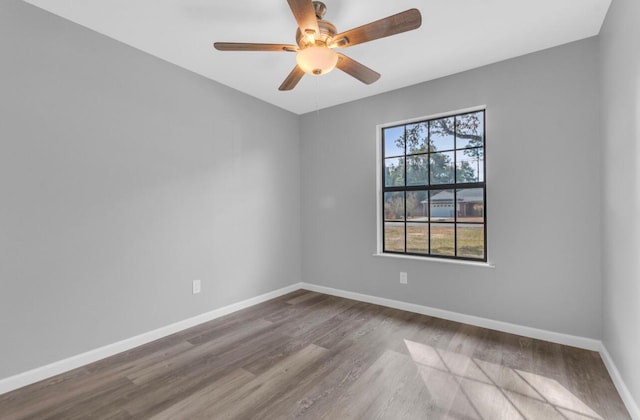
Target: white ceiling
x,y
456,35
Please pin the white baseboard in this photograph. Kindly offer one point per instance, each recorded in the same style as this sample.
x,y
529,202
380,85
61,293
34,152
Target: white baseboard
x,y
44,372
554,337
625,394
73,362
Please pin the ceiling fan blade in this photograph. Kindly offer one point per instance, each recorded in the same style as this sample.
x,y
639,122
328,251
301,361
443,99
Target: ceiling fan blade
x,y
392,25
357,70
292,79
245,46
305,15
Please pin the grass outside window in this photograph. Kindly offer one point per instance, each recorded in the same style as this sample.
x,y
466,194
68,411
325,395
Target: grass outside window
x,y
434,190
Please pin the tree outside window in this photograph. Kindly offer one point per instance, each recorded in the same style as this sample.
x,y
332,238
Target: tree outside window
x,y
434,190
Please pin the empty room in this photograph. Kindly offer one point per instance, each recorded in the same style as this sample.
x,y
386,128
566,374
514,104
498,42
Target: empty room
x,y
347,209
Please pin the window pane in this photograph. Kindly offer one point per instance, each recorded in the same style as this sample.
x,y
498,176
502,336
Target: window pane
x,y
417,138
441,134
418,237
470,130
394,237
470,205
393,206
417,206
417,170
441,168
442,239
470,241
394,172
429,205
441,206
393,141
470,165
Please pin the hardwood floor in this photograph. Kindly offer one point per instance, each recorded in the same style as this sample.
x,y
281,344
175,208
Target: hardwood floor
x,y
313,356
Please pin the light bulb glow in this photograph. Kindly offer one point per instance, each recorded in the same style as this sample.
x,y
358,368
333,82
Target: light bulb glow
x,y
317,60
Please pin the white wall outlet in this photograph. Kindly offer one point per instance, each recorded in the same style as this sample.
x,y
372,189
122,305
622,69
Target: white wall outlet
x,y
403,277
196,287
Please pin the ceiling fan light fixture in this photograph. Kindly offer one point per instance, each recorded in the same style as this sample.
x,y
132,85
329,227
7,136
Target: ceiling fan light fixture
x,y
316,38
317,60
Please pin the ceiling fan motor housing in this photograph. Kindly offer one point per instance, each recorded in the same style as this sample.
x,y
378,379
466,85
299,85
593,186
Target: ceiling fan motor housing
x,y
327,32
314,56
317,40
320,9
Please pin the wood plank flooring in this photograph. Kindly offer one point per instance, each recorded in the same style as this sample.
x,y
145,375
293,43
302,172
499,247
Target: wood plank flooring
x,y
311,356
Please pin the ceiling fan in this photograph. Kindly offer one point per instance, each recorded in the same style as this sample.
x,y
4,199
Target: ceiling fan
x,y
318,38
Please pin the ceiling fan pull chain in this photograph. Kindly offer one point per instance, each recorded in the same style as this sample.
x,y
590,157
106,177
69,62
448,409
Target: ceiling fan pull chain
x,y
318,96
317,38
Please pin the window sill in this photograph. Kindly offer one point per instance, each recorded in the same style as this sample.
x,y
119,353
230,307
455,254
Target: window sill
x,y
437,260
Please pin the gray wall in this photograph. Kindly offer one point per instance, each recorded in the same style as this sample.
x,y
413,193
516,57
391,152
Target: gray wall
x,y
122,179
543,188
620,58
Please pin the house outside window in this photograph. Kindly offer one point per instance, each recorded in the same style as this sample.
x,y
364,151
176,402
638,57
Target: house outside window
x,y
432,199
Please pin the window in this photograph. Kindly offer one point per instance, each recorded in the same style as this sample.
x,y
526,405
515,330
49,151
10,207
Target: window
x,y
433,187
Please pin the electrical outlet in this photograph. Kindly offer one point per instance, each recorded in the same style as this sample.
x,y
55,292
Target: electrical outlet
x,y
196,287
403,278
